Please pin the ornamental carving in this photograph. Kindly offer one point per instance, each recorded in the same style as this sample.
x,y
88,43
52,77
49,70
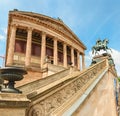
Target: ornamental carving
x,y
55,26
59,26
49,104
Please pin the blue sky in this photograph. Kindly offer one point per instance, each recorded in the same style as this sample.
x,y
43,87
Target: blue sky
x,y
88,19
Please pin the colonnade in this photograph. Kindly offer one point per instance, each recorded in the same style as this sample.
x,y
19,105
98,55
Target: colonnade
x,y
11,46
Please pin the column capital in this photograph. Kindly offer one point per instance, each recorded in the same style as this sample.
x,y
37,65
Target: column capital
x,y
64,43
29,28
72,47
43,33
55,38
14,25
82,53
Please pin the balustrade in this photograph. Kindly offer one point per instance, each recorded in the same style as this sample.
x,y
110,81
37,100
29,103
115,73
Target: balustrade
x,y
65,90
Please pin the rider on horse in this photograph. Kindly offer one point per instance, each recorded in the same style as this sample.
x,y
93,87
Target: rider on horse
x,y
100,45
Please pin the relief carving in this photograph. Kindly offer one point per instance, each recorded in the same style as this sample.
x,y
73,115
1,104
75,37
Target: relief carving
x,y
56,27
37,110
52,102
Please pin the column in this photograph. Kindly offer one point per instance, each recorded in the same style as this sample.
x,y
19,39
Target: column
x,y
72,56
28,47
83,61
65,55
43,48
11,45
78,60
55,52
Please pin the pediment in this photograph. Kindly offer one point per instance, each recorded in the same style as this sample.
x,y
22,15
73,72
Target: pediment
x,y
54,23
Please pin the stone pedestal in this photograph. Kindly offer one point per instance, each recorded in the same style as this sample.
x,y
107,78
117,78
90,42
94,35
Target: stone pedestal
x,y
107,56
100,57
12,104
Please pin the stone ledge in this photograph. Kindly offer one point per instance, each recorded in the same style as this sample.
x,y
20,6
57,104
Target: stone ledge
x,y
74,102
10,100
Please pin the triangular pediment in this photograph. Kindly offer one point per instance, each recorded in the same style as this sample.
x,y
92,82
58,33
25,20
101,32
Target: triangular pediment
x,y
54,23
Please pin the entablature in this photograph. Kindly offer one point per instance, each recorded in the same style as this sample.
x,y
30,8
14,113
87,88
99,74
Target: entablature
x,y
47,22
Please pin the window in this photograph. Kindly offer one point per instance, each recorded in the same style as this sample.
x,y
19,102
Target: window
x,y
20,46
36,51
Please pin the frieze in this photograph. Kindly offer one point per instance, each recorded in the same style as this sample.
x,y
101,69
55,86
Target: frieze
x,y
55,25
46,106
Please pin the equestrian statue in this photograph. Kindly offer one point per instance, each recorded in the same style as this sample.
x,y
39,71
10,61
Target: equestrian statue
x,y
100,45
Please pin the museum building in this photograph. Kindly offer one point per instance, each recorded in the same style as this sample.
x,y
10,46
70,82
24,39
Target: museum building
x,y
32,38
52,58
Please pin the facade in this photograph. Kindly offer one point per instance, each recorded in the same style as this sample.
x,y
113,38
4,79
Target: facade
x,y
32,38
35,39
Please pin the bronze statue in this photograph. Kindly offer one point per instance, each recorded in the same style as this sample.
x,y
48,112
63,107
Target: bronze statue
x,y
100,45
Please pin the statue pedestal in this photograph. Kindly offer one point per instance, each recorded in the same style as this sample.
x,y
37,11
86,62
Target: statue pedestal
x,y
107,56
12,104
101,57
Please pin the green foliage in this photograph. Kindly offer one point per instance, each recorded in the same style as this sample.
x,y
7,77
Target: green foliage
x,y
119,79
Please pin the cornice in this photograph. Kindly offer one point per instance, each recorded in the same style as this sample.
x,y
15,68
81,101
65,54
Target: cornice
x,y
53,24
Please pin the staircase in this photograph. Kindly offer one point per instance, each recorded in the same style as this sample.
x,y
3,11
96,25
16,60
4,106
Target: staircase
x,y
65,93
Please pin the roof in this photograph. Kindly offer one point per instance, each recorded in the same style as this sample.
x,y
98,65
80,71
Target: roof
x,y
57,21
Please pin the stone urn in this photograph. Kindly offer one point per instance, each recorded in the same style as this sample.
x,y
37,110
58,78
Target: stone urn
x,y
11,74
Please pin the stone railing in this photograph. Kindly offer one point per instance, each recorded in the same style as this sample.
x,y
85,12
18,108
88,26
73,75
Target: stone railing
x,y
46,100
35,60
30,87
19,58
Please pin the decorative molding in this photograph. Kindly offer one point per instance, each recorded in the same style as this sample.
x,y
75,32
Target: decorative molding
x,y
50,23
45,106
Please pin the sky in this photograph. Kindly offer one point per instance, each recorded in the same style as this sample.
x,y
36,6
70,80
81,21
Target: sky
x,y
88,19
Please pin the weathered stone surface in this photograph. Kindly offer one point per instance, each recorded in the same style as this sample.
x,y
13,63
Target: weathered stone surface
x,y
101,102
13,104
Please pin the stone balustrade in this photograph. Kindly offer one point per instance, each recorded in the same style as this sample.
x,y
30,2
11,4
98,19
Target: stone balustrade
x,y
48,99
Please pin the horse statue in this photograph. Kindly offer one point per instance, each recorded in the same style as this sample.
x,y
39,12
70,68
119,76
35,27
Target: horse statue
x,y
100,45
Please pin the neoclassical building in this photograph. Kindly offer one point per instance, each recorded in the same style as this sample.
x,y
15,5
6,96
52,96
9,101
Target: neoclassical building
x,y
32,38
43,45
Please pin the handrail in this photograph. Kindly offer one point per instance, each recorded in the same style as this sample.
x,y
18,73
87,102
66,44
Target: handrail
x,y
27,88
80,96
58,93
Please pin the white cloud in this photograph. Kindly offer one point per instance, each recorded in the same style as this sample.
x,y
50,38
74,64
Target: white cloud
x,y
2,37
115,55
88,59
5,31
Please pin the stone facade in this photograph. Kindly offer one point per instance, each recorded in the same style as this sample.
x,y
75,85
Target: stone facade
x,y
102,101
34,39
31,37
43,44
